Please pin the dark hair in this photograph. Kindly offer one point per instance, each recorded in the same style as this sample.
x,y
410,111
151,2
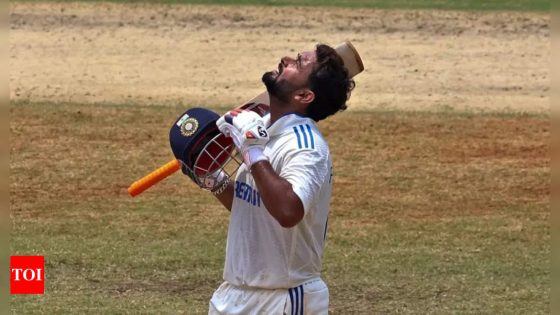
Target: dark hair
x,y
330,82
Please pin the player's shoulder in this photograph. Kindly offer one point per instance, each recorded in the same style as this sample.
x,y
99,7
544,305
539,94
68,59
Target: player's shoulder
x,y
306,135
302,134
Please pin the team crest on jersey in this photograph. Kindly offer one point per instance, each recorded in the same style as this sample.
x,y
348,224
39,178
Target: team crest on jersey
x,y
189,126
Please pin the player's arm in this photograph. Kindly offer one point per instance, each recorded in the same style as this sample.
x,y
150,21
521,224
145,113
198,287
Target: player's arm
x,y
249,134
226,197
285,203
219,184
277,195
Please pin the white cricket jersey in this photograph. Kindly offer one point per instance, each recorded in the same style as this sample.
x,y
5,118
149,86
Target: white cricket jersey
x,y
260,252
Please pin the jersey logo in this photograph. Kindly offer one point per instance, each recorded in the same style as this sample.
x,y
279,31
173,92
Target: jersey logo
x,y
304,136
247,193
262,132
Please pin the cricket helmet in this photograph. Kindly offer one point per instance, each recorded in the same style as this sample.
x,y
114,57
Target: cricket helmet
x,y
200,147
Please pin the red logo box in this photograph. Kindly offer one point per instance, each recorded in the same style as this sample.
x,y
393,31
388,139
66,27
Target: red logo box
x,y
27,274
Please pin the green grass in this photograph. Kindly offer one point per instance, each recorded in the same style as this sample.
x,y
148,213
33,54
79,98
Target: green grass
x,y
521,5
432,213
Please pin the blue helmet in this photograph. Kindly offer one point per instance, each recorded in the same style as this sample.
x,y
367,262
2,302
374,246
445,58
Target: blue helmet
x,y
196,142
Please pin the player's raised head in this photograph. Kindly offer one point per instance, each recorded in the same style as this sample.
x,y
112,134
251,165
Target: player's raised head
x,y
330,83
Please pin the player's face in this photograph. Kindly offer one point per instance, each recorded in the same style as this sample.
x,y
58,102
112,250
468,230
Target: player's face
x,y
292,74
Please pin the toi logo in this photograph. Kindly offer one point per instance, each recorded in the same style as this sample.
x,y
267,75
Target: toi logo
x,y
27,274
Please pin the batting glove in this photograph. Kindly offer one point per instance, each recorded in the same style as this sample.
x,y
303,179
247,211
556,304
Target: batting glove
x,y
248,132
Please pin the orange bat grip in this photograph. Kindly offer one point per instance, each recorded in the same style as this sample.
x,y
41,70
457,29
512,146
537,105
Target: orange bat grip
x,y
154,177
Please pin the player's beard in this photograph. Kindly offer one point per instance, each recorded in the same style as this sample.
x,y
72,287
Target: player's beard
x,y
280,89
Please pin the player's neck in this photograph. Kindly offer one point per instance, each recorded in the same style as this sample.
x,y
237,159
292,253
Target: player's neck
x,y
279,109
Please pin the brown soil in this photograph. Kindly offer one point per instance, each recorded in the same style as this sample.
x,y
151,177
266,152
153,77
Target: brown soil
x,y
214,55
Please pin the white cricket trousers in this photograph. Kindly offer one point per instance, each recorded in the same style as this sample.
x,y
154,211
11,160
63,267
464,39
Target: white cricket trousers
x,y
309,298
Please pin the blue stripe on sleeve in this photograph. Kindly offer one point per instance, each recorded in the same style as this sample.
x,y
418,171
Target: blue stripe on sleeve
x,y
298,138
304,135
311,136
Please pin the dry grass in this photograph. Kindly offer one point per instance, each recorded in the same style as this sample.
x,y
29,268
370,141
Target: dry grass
x,y
147,53
432,213
439,165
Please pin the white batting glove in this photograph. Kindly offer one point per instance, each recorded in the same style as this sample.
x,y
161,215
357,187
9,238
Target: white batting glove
x,y
248,132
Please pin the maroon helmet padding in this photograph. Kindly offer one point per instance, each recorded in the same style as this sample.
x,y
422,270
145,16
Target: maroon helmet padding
x,y
214,156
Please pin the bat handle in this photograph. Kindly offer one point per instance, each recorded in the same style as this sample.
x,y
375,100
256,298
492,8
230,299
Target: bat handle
x,y
154,177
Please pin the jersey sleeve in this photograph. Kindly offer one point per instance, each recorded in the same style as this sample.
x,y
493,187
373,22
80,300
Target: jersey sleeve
x,y
307,170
